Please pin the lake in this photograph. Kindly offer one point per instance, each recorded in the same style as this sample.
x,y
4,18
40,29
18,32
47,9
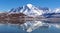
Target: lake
x,y
15,28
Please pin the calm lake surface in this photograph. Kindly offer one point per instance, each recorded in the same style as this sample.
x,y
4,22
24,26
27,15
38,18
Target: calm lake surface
x,y
12,28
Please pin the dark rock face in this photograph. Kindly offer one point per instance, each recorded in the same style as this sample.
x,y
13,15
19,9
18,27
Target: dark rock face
x,y
17,18
52,15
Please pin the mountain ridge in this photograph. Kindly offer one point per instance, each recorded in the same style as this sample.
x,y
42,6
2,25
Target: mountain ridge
x,y
29,10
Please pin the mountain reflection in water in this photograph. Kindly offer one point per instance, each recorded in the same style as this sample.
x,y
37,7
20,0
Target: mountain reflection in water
x,y
30,26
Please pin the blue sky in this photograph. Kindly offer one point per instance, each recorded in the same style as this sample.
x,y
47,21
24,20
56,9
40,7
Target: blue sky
x,y
8,4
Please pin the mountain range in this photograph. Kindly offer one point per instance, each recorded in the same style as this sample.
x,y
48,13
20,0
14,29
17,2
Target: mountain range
x,y
31,10
32,13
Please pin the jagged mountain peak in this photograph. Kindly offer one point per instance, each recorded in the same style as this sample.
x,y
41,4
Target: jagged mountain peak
x,y
28,9
29,5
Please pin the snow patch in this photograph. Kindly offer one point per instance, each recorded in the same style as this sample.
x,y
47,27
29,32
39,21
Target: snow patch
x,y
29,5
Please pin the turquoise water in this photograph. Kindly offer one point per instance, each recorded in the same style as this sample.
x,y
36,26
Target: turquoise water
x,y
9,28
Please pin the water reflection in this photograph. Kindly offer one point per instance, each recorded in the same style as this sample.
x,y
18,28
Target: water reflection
x,y
32,27
29,26
56,25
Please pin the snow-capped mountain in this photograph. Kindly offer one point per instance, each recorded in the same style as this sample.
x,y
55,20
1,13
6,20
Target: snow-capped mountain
x,y
29,10
53,14
56,10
